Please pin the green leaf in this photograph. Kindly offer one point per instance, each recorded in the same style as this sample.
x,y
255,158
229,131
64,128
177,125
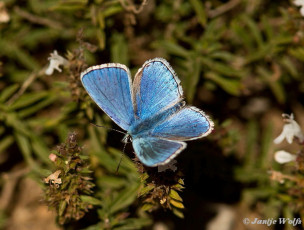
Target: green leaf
x,y
145,189
255,31
278,91
275,85
40,149
266,152
112,10
90,200
268,28
221,68
177,204
13,121
27,99
231,86
147,207
123,199
181,181
24,145
12,50
113,182
69,5
94,137
119,49
193,76
260,53
2,130
214,30
34,108
62,207
101,36
174,49
297,53
178,213
174,194
133,223
127,166
6,142
241,35
290,66
85,170
7,92
200,11
222,55
251,141
94,227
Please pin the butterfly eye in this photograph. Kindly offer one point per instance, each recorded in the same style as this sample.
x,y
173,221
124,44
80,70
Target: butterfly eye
x,y
125,139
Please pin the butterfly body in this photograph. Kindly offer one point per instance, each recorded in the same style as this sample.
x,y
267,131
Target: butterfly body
x,y
152,110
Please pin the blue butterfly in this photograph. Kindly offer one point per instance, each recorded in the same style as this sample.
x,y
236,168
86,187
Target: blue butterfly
x,y
152,110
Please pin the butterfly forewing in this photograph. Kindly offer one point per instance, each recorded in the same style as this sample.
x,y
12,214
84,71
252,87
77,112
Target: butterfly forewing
x,y
109,86
156,88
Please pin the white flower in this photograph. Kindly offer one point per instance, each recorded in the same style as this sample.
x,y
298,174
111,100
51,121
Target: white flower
x,y
55,61
170,165
298,2
301,4
290,130
283,157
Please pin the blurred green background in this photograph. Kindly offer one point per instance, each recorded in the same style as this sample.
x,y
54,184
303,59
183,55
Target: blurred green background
x,y
241,61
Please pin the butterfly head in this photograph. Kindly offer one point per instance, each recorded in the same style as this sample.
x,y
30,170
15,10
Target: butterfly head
x,y
126,139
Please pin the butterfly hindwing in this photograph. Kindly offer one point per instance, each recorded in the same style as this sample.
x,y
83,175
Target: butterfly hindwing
x,y
188,123
153,151
156,88
109,85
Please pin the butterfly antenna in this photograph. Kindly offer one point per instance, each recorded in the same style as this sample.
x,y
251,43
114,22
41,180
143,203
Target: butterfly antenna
x,y
123,152
101,126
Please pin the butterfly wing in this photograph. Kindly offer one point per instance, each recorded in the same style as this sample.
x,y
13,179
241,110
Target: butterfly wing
x,y
188,123
109,85
153,151
156,88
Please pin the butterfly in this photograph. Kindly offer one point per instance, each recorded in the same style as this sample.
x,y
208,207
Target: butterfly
x,y
151,110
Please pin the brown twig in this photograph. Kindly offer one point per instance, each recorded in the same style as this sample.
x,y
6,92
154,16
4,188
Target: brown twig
x,y
10,182
223,8
130,7
36,19
172,24
25,85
